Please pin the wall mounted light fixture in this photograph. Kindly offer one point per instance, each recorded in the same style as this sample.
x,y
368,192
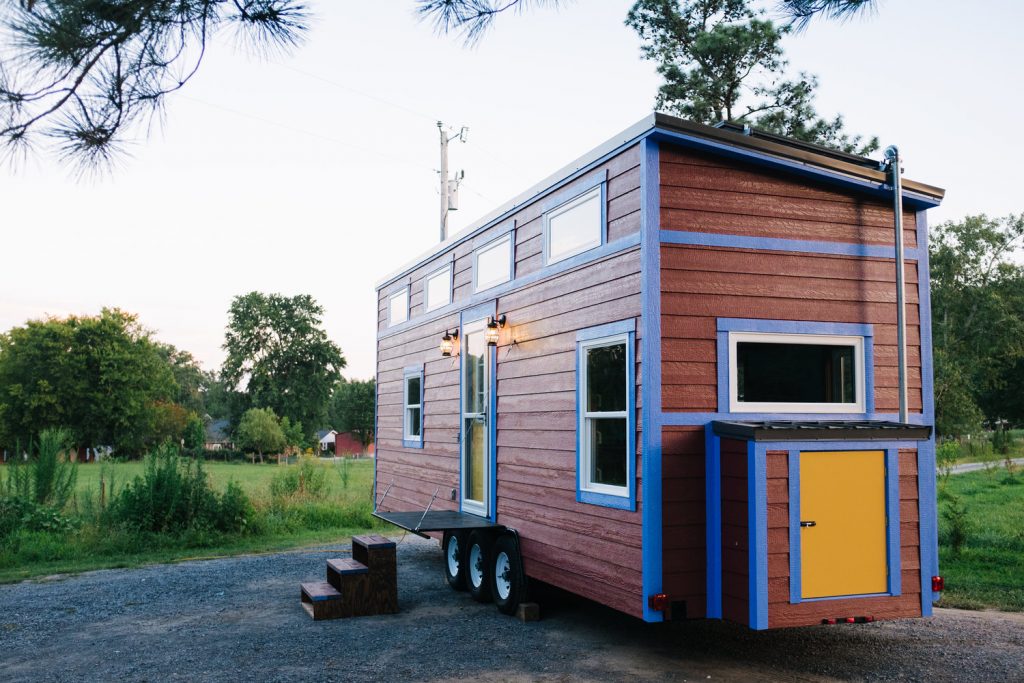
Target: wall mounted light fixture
x,y
448,342
493,325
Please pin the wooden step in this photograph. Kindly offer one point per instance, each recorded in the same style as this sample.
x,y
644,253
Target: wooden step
x,y
347,575
320,600
373,542
379,555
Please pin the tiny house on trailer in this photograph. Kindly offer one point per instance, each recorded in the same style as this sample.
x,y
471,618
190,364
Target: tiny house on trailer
x,y
666,379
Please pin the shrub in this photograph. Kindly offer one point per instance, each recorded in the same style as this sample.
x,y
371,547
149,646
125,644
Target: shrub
x,y
48,478
958,525
22,514
946,455
174,495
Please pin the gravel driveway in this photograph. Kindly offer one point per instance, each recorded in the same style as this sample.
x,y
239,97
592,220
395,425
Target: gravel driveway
x,y
239,620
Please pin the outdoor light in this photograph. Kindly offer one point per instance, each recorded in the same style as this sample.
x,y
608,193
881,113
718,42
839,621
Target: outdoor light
x,y
493,325
448,342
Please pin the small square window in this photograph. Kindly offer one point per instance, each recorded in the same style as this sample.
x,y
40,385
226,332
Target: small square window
x,y
438,288
398,307
605,420
574,227
412,408
493,264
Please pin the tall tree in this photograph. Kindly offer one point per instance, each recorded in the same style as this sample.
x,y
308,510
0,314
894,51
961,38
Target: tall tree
x,y
100,376
279,354
352,408
978,320
801,12
259,431
193,383
723,61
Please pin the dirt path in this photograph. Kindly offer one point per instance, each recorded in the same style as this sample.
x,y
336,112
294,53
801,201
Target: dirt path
x,y
239,619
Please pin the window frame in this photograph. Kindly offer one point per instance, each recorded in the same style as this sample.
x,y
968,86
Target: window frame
x,y
587,491
404,291
861,359
427,307
567,206
493,244
409,440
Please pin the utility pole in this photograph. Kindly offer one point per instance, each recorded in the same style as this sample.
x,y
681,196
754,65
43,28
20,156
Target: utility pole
x,y
449,186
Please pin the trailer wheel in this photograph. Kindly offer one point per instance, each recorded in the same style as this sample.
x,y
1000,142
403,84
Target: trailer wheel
x,y
453,545
478,565
508,582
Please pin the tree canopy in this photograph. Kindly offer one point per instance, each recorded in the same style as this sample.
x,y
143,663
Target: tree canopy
x,y
723,61
280,355
352,408
103,377
260,431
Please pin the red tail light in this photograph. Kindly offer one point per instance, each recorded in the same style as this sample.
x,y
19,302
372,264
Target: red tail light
x,y
658,602
868,620
851,620
938,584
828,622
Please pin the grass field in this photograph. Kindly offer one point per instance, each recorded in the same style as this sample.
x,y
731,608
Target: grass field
x,y
989,570
278,524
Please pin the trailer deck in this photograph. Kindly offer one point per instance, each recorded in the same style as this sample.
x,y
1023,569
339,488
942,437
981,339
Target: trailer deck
x,y
436,520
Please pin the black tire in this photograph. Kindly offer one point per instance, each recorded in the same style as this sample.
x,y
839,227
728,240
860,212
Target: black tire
x,y
457,578
508,584
477,561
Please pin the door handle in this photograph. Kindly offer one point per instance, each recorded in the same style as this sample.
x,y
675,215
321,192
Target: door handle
x,y
808,523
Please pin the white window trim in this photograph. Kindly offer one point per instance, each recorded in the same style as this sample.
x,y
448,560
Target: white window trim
x,y
506,276
584,433
737,406
406,407
402,292
564,208
427,306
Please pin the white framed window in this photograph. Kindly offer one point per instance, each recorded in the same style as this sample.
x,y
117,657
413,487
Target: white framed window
x,y
412,407
398,307
605,425
796,373
574,227
492,263
437,288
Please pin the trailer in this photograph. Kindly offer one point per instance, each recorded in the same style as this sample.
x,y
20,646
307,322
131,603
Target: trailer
x,y
669,378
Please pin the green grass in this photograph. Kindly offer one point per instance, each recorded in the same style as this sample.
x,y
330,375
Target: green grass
x,y
278,524
989,571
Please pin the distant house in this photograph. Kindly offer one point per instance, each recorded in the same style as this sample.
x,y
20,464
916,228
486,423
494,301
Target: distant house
x,y
326,438
218,435
347,443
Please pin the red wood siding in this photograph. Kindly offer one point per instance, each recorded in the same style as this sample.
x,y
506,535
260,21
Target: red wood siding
x,y
701,193
735,536
590,550
684,563
782,613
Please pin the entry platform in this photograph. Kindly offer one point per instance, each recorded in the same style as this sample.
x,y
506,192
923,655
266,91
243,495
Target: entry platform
x,y
436,520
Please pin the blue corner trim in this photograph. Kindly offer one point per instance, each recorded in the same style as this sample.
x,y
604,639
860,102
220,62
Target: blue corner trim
x,y
713,516
407,372
727,325
650,358
757,529
892,518
710,239
628,501
504,237
602,186
928,524
795,564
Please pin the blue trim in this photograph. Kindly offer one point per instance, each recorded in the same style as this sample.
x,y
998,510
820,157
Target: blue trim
x,y
408,305
650,357
510,237
713,517
583,341
602,230
757,530
605,250
450,267
557,199
709,239
892,520
795,566
700,419
407,372
727,325
926,493
468,316
800,168
492,437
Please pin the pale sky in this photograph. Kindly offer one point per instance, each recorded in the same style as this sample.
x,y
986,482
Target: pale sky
x,y
314,173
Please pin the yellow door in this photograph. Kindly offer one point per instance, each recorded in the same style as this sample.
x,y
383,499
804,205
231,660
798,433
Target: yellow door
x,y
842,523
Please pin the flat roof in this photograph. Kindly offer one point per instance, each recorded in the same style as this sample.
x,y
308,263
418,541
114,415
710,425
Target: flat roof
x,y
794,154
820,430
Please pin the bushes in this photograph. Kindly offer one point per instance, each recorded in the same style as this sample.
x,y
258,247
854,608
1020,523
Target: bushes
x,y
48,478
307,480
174,495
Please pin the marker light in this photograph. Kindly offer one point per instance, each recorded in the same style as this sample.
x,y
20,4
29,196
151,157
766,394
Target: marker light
x,y
938,584
658,602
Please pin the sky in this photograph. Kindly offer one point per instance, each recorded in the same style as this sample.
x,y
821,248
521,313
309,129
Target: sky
x,y
315,172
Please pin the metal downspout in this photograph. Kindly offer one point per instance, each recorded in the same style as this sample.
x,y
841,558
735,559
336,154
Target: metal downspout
x,y
892,159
